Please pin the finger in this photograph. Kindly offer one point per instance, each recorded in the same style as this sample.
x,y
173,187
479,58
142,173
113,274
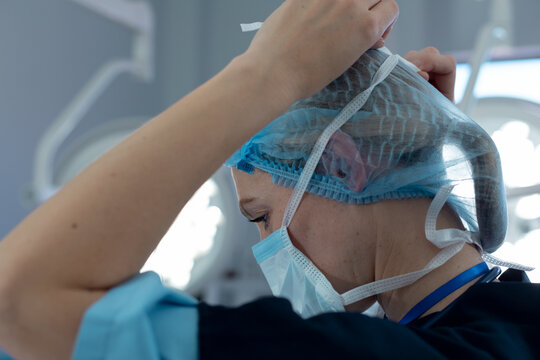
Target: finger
x,y
385,35
411,54
439,70
416,57
424,74
432,61
440,64
387,12
375,3
379,44
445,85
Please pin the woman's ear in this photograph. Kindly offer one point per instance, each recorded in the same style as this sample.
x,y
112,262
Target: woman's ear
x,y
342,160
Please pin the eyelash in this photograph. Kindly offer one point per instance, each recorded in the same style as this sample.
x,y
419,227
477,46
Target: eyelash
x,y
263,218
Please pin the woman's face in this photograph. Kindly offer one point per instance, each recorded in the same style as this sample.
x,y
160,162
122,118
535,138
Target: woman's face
x,y
338,238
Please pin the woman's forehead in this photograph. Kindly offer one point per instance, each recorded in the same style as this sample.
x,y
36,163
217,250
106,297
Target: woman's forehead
x,y
258,185
250,185
243,178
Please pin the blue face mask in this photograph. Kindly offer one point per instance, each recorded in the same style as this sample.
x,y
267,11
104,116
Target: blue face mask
x,y
292,275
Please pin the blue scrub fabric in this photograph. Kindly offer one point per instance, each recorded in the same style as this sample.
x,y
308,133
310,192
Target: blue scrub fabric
x,y
4,356
140,319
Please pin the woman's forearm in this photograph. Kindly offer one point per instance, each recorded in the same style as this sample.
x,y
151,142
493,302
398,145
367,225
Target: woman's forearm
x,y
100,228
103,225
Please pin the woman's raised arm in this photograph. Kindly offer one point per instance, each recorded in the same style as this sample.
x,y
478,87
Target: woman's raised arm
x,y
100,228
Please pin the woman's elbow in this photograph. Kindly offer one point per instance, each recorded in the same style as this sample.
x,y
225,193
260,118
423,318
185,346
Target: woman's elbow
x,y
8,311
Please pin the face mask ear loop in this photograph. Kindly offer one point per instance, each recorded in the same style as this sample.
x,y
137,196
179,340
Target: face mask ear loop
x,y
348,112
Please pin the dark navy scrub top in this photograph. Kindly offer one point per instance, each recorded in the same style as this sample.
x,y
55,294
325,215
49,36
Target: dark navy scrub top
x,y
142,319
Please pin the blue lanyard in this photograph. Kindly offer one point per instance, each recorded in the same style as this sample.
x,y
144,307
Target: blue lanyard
x,y
443,291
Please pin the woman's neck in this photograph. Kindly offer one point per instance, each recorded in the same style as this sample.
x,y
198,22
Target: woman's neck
x,y
398,302
403,248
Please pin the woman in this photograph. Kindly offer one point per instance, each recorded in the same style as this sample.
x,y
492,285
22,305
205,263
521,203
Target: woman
x,y
69,284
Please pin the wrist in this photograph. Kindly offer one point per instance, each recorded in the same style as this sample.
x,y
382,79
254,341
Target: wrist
x,y
274,85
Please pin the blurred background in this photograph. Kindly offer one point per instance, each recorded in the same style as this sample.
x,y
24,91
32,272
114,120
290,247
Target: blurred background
x,y
78,76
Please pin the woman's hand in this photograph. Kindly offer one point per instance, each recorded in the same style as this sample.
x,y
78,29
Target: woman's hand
x,y
438,69
305,44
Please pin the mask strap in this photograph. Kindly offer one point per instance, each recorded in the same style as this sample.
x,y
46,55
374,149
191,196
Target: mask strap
x,y
396,282
451,241
446,237
509,264
348,112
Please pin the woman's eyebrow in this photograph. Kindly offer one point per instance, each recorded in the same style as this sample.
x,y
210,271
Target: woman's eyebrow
x,y
242,203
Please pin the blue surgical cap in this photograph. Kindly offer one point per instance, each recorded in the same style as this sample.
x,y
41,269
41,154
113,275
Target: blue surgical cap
x,y
406,142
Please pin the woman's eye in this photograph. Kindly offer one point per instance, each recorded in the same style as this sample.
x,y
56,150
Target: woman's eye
x,y
260,219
